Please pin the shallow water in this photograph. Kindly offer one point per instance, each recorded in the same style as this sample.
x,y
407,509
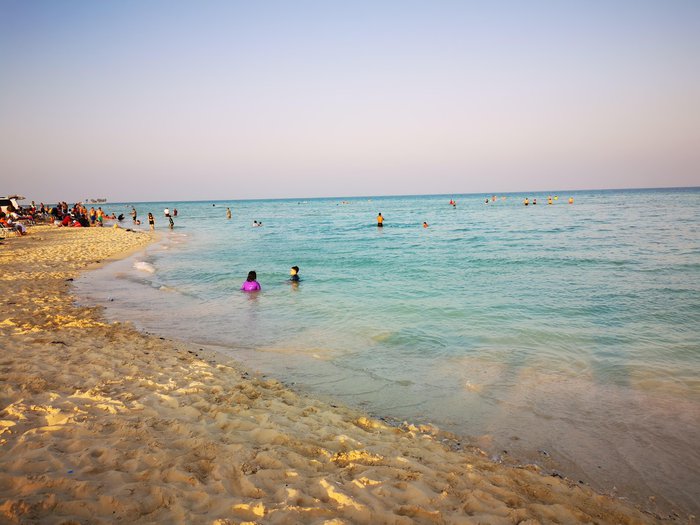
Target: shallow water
x,y
564,334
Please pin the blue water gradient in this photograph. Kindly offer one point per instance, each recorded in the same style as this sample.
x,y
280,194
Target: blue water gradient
x,y
568,328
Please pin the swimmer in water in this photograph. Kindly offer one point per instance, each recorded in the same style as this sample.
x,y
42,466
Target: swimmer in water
x,y
294,274
380,221
251,284
425,224
526,202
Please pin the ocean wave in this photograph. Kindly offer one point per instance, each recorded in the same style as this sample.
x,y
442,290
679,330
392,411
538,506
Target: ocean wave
x,y
144,267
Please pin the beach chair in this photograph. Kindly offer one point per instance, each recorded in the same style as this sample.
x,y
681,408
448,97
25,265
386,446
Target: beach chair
x,y
5,231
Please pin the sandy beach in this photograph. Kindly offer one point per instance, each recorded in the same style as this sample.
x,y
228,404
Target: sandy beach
x,y
100,423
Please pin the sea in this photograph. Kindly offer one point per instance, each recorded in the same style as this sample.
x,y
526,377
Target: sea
x,y
565,335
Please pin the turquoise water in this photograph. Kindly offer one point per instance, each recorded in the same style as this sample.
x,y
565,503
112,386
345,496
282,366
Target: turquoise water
x,y
567,334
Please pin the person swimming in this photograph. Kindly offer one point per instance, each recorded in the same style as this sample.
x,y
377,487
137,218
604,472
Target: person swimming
x,y
380,221
425,224
294,274
251,284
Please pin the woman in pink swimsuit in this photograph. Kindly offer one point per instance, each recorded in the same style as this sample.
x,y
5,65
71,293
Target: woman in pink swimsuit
x,y
250,284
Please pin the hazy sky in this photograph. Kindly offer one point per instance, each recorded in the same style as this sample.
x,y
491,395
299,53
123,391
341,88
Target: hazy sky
x,y
169,100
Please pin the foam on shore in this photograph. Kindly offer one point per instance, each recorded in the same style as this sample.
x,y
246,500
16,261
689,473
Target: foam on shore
x,y
101,423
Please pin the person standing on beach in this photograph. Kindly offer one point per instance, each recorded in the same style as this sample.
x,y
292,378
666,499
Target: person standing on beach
x,y
133,214
228,213
151,221
380,221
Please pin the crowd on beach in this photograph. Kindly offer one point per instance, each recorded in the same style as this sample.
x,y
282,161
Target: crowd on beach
x,y
63,215
16,218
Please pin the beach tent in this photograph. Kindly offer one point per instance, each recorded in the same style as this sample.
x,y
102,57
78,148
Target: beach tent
x,y
10,200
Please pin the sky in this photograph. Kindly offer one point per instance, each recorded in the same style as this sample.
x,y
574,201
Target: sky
x,y
170,100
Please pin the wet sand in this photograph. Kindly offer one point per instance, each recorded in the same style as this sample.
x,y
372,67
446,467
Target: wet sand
x,y
100,423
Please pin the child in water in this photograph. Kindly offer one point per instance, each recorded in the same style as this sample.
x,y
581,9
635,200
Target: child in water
x,y
294,274
250,284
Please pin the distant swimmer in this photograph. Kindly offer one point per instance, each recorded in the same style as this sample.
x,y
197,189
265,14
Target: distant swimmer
x,y
251,284
228,213
175,212
493,198
534,202
170,220
526,202
425,224
571,200
380,221
549,200
487,200
166,212
294,274
256,223
151,221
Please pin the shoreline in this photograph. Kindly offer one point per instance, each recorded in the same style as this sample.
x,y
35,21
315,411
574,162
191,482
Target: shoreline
x,y
102,422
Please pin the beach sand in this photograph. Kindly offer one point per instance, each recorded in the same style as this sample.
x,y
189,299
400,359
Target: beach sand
x,y
100,423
